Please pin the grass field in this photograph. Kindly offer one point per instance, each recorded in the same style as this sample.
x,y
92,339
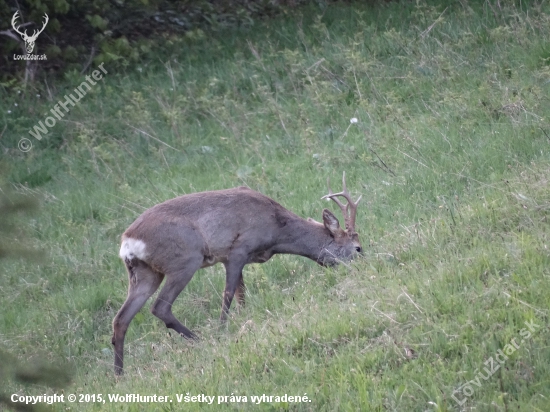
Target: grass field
x,y
451,152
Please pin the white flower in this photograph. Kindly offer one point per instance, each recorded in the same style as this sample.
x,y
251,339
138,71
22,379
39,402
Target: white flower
x,y
38,95
139,69
15,104
9,111
353,120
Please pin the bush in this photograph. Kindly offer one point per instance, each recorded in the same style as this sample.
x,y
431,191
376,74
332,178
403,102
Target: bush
x,y
117,32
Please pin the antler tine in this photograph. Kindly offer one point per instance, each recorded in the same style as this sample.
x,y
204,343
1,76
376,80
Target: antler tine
x,y
344,187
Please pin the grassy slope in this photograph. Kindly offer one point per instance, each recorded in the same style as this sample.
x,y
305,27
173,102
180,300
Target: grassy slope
x,y
450,154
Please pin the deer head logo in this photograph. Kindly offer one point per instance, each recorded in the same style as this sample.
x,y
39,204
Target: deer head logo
x,y
29,40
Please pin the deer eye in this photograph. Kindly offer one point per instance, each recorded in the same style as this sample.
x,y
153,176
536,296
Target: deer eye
x,y
358,249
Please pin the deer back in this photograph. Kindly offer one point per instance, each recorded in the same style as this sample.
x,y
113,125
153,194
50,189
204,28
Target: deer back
x,y
239,223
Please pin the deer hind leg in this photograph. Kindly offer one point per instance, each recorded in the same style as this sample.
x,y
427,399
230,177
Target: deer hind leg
x,y
240,292
175,283
143,282
233,280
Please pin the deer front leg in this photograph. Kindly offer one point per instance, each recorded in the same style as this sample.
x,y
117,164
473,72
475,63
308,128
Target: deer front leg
x,y
233,279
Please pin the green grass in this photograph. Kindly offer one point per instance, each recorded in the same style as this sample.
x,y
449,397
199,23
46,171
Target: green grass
x,y
450,152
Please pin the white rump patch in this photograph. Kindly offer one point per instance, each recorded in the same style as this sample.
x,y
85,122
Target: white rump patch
x,y
132,248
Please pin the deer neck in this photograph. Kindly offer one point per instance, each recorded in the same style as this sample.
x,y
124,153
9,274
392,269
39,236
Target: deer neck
x,y
303,238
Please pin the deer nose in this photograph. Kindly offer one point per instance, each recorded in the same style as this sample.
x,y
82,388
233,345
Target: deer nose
x,y
358,249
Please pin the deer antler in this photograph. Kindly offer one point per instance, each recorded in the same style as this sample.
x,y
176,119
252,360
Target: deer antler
x,y
349,210
13,22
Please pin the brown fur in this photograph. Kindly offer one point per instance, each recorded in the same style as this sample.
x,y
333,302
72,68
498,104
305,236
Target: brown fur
x,y
235,227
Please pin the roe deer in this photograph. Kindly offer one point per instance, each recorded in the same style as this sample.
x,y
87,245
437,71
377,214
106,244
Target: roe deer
x,y
237,226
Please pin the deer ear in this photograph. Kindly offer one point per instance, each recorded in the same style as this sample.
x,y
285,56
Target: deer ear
x,y
330,221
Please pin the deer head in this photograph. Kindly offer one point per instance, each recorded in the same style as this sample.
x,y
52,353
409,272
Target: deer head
x,y
346,242
29,40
